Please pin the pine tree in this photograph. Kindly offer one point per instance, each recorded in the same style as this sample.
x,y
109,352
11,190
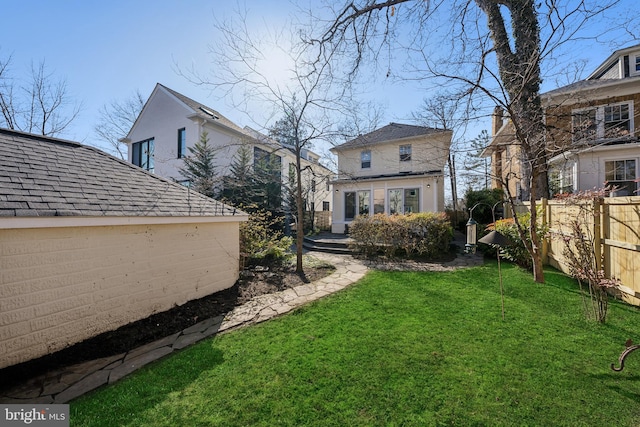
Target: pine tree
x,y
199,167
239,185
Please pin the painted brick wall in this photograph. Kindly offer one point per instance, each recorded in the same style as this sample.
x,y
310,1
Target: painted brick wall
x,y
59,286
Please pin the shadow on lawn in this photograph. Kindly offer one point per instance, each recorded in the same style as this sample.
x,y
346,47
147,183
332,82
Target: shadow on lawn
x,y
151,386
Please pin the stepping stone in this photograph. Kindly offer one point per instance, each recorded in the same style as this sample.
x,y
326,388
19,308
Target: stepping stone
x,y
84,386
136,363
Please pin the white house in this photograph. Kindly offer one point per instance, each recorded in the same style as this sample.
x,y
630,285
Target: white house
x,y
170,123
398,168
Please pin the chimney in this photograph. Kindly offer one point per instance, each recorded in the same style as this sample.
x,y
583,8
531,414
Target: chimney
x,y
496,120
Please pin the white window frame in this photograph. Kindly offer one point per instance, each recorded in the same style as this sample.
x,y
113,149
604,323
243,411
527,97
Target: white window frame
x,y
403,201
362,157
619,159
600,119
634,60
405,152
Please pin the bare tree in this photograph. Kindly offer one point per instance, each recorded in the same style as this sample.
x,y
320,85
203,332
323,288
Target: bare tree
x,y
115,121
443,111
301,94
369,30
41,104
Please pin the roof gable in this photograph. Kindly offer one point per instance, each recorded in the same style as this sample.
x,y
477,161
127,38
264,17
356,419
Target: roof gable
x,y
612,60
42,176
388,133
194,108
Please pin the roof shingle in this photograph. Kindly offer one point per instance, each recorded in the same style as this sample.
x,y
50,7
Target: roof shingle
x,y
390,132
42,176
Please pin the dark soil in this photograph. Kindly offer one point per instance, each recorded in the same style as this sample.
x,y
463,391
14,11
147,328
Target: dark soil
x,y
254,281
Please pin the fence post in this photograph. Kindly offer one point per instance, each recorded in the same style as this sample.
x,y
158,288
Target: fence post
x,y
545,240
597,232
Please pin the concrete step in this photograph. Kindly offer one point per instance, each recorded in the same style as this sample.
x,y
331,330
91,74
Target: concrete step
x,y
327,249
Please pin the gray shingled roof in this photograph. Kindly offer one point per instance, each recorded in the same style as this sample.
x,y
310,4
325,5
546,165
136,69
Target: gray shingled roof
x,y
390,132
42,176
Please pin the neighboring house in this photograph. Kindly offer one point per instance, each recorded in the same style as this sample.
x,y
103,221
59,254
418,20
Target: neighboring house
x,y
591,136
170,123
395,169
90,243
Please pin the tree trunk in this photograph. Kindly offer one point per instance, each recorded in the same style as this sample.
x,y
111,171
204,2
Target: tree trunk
x,y
300,213
454,189
520,74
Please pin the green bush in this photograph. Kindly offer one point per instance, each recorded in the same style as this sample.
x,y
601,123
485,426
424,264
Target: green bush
x,y
259,241
424,234
483,200
517,251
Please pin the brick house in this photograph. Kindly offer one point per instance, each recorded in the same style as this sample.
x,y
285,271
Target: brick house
x,y
591,135
89,243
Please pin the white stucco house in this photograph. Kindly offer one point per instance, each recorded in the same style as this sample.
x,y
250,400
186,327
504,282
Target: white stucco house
x,y
398,168
170,123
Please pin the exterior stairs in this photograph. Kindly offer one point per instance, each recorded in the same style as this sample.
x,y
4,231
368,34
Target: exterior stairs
x,y
328,242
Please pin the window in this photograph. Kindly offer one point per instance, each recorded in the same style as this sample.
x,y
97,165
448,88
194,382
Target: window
x,y
325,206
411,200
616,120
364,202
637,64
365,159
584,125
378,201
405,153
562,178
621,174
328,188
607,121
313,185
182,143
349,205
404,201
142,154
395,202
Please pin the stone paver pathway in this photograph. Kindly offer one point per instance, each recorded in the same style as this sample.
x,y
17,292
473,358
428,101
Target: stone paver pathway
x,y
65,384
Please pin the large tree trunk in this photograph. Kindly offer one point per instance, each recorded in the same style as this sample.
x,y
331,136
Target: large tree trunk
x,y
520,75
300,213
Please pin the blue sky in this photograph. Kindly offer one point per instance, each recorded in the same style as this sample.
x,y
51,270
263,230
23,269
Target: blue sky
x,y
107,50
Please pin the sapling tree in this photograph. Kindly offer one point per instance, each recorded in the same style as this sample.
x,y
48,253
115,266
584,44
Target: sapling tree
x,y
581,252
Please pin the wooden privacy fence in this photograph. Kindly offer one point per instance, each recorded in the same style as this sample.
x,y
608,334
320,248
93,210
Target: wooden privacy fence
x,y
614,224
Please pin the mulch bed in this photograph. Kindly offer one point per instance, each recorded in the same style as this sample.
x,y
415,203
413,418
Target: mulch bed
x,y
254,281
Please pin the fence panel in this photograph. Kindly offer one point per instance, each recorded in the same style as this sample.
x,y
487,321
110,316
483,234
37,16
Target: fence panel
x,y
621,241
615,226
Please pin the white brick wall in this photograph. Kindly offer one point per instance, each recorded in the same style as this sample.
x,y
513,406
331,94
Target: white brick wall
x,y
59,286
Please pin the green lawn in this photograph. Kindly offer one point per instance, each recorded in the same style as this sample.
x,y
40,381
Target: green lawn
x,y
398,349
